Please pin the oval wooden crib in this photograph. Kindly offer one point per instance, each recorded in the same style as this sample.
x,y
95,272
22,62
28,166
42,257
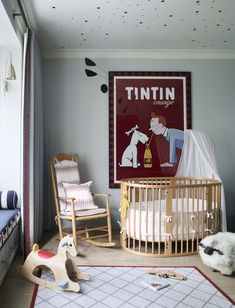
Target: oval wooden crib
x,y
167,217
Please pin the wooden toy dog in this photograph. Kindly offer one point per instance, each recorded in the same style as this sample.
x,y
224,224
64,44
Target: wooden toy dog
x,y
65,271
166,274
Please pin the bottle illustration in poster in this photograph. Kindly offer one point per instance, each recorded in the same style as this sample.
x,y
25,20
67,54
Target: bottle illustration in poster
x,y
130,154
148,157
148,163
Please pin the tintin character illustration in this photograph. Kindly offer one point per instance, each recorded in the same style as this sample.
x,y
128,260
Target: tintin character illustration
x,y
174,137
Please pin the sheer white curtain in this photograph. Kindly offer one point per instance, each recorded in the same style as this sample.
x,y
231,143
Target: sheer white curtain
x,y
198,160
32,209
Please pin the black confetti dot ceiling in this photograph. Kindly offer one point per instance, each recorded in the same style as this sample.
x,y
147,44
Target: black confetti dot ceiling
x,y
131,24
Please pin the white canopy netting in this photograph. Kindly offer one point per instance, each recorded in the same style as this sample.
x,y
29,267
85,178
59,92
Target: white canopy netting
x,y
198,160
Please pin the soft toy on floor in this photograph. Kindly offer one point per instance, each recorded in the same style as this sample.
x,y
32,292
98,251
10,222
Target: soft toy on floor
x,y
218,252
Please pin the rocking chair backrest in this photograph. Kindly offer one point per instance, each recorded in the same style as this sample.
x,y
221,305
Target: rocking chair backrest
x,y
64,168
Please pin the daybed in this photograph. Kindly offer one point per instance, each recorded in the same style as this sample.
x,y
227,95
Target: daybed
x,y
9,232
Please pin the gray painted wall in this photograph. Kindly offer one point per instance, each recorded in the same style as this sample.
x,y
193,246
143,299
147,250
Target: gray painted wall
x,y
78,119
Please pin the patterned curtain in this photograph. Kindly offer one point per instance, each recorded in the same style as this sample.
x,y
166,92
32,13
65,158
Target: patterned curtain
x,y
33,144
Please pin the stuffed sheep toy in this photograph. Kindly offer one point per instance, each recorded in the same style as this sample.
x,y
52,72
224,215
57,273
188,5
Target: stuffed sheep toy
x,y
218,252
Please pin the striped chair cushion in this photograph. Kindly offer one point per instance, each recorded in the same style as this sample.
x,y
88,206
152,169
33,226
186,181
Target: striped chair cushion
x,y
66,171
8,199
82,194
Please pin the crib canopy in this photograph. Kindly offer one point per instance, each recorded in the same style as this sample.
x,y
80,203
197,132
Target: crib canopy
x,y
198,160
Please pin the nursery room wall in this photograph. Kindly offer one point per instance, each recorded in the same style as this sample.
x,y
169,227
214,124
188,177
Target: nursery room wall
x,y
77,115
10,121
10,108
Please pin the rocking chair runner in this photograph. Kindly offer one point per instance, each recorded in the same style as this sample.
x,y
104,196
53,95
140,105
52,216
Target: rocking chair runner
x,y
65,171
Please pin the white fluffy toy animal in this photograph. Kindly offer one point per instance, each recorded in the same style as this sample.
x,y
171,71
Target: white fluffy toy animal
x,y
218,252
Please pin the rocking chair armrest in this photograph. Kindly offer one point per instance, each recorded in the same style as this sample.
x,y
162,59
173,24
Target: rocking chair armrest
x,y
66,199
101,195
71,200
106,198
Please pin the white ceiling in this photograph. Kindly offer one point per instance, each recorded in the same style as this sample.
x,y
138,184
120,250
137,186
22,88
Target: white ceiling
x,y
133,24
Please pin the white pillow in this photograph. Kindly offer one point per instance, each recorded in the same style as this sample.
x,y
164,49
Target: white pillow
x,y
67,171
82,194
62,193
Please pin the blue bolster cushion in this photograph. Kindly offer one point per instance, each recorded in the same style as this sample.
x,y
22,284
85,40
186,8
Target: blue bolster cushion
x,y
8,199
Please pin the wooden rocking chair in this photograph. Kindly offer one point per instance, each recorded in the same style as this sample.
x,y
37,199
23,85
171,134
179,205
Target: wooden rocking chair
x,y
67,188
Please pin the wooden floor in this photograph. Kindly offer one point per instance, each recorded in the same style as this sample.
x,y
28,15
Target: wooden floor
x,y
16,292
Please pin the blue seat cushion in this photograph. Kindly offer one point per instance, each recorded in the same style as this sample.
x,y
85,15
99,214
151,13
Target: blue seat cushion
x,y
5,217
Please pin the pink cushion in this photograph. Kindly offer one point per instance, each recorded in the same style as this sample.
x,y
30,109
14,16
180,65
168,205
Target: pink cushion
x,y
86,212
82,194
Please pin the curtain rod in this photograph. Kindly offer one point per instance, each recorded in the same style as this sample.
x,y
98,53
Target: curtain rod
x,y
21,14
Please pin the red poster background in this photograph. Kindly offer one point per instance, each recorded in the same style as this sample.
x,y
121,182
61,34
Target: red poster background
x,y
127,108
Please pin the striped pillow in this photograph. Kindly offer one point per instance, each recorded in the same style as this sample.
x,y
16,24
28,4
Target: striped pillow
x,y
8,199
82,194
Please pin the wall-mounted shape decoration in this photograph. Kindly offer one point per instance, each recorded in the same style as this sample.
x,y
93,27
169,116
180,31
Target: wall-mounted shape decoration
x,y
9,73
90,73
148,114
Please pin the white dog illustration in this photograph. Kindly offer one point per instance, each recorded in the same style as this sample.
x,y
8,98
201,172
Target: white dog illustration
x,y
129,156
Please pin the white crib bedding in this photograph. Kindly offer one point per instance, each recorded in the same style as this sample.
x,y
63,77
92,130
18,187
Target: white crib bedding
x,y
188,212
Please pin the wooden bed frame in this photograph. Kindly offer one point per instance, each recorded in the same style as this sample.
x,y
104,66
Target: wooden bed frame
x,y
187,209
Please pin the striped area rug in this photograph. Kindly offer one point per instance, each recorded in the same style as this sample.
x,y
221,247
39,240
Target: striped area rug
x,y
122,286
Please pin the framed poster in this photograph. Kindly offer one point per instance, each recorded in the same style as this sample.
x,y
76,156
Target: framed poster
x,y
148,113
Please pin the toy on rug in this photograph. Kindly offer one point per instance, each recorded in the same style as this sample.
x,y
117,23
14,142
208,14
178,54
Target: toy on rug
x,y
164,273
218,252
65,271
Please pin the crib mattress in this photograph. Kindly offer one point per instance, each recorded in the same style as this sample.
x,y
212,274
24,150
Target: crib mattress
x,y
151,227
